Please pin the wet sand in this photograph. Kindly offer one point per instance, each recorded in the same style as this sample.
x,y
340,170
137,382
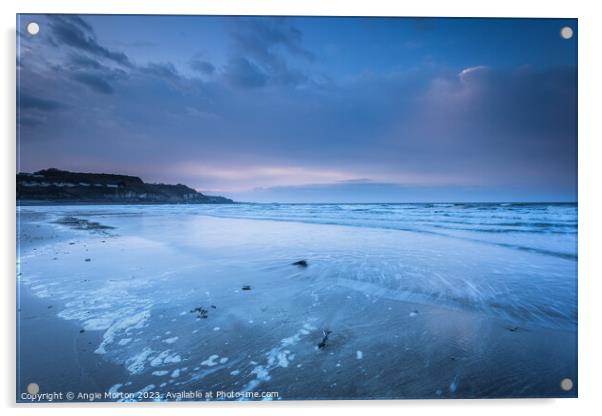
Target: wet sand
x,y
137,299
52,352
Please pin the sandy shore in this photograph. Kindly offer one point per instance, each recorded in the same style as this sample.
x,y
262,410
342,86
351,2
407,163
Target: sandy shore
x,y
165,304
53,352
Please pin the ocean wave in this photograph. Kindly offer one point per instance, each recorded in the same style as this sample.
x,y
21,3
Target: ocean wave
x,y
547,229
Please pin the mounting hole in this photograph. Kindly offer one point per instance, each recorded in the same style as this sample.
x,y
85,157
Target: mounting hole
x,y
566,384
33,388
566,32
33,28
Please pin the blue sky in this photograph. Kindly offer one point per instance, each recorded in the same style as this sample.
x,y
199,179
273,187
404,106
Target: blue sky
x,y
306,109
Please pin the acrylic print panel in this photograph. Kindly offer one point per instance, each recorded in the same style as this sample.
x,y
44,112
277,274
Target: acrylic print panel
x,y
296,208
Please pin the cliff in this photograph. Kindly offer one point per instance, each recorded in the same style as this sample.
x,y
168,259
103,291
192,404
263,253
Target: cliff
x,y
59,186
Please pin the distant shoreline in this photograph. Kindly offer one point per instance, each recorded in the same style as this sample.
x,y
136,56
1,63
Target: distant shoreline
x,y
40,202
61,186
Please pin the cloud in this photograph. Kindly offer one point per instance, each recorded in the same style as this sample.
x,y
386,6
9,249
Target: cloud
x,y
241,72
82,61
512,103
33,111
467,72
31,119
162,70
506,126
75,32
92,63
95,81
261,37
92,73
79,22
27,101
204,67
261,49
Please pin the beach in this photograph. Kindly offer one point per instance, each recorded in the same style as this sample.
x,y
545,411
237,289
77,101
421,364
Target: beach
x,y
294,302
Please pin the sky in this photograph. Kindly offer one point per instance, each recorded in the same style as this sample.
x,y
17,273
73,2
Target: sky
x,y
305,109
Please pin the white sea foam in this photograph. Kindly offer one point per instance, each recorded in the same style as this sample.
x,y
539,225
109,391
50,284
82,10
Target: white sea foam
x,y
210,362
135,364
115,388
278,357
123,325
124,341
165,357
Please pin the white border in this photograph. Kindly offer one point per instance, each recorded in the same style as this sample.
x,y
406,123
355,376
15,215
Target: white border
x,y
590,204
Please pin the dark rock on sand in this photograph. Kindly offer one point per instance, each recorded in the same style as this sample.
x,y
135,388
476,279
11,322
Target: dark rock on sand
x,y
325,333
201,312
300,263
81,331
82,224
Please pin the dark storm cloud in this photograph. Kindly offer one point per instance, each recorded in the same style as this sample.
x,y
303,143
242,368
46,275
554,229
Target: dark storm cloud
x,y
92,73
96,82
82,61
31,120
93,69
241,72
27,101
261,37
75,32
76,20
33,111
162,70
261,47
204,67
